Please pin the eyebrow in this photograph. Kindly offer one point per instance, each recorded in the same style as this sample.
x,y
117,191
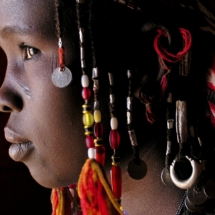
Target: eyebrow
x,y
13,30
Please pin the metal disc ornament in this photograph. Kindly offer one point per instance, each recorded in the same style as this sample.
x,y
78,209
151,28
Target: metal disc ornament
x,y
61,78
165,177
196,195
192,207
209,189
137,169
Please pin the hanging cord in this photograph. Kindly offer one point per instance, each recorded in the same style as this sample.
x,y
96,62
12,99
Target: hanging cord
x,y
179,211
146,96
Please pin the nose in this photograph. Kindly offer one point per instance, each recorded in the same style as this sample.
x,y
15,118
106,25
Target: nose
x,y
9,98
10,101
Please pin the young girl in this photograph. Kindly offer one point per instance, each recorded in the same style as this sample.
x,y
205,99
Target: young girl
x,y
45,126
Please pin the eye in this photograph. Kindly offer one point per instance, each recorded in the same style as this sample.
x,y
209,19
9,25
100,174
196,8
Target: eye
x,y
29,52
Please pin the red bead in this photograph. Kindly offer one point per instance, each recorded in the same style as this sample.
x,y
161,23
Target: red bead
x,y
116,181
98,129
86,93
100,154
114,139
90,141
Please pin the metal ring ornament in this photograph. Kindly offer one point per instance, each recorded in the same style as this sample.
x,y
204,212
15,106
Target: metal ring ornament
x,y
192,180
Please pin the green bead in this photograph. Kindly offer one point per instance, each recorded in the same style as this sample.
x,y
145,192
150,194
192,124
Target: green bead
x,y
88,119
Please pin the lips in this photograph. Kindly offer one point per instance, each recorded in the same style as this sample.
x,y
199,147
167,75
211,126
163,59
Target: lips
x,y
20,147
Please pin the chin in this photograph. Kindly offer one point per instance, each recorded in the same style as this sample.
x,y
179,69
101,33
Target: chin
x,y
48,179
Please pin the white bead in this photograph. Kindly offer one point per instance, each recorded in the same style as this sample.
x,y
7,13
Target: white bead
x,y
84,81
91,153
114,123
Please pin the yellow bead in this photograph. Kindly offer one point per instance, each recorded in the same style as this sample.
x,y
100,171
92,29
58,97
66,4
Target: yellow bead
x,y
88,119
97,116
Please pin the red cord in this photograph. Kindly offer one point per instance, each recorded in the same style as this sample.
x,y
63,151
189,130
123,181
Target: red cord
x,y
170,57
61,58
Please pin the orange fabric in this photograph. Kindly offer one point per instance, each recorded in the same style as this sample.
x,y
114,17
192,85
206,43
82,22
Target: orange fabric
x,y
61,201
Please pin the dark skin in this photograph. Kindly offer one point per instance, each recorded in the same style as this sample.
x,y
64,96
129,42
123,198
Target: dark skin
x,y
32,96
47,119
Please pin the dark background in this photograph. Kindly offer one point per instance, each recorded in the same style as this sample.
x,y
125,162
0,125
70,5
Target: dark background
x,y
19,193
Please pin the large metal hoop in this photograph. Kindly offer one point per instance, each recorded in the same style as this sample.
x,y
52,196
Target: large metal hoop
x,y
192,180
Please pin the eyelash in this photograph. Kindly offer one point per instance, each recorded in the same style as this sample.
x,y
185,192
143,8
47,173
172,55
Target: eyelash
x,y
29,52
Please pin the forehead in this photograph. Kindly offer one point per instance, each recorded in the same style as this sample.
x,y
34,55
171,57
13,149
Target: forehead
x,y
28,15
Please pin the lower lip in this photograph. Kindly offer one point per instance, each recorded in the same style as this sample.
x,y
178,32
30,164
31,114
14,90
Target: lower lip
x,y
19,151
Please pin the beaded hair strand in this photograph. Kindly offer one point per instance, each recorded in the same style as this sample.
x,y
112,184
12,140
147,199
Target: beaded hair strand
x,y
92,180
98,127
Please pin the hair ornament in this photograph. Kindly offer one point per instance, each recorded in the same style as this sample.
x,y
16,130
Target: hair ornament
x,y
61,76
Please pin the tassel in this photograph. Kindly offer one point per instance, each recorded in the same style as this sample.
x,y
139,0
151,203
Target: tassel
x,y
61,201
150,116
94,191
164,85
212,113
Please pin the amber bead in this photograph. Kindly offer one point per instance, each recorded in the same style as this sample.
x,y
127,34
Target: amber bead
x,y
98,129
114,139
90,141
116,181
86,93
88,119
100,154
97,115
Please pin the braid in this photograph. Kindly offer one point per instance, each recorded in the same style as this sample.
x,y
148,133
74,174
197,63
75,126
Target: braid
x,y
57,18
91,33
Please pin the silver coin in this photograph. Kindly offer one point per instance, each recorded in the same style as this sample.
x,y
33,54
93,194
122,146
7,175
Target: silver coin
x,y
196,195
165,177
61,78
209,189
137,170
192,207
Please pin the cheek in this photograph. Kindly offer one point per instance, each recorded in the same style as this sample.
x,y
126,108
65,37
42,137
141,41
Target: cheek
x,y
58,136
54,124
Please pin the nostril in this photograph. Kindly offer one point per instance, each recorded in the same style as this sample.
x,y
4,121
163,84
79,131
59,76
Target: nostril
x,y
9,100
6,109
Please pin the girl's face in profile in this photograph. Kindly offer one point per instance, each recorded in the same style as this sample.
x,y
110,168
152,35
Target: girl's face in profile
x,y
44,126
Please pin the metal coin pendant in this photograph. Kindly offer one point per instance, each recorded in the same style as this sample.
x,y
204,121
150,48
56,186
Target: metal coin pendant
x,y
196,195
165,177
61,78
209,189
137,169
192,207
